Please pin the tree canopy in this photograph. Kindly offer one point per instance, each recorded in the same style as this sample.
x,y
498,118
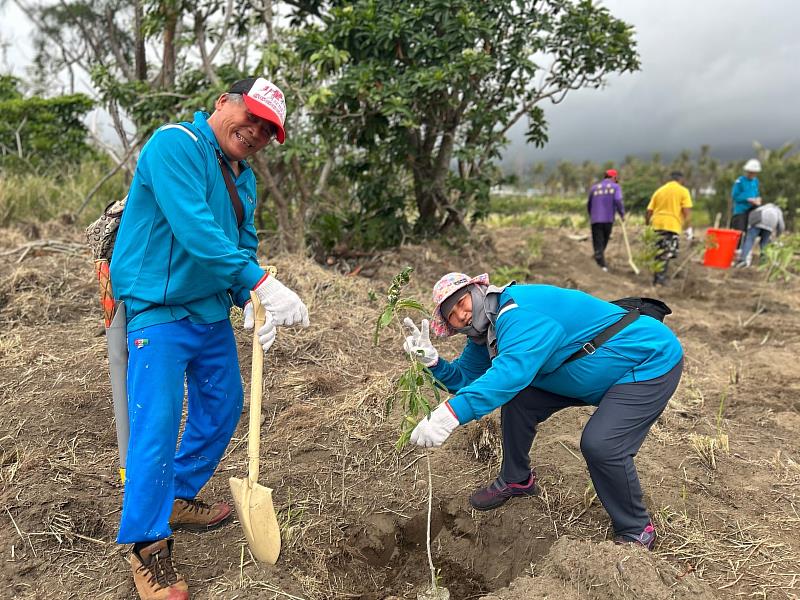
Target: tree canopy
x,y
398,110
426,91
41,134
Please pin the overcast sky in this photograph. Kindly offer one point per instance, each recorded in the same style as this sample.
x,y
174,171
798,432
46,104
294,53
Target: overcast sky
x,y
718,72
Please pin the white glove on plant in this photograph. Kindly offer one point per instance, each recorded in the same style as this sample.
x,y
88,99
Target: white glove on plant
x,y
418,344
282,303
689,234
266,333
434,429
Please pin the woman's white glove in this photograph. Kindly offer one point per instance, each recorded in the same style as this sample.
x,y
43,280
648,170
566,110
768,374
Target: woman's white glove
x,y
689,234
418,344
434,429
282,303
266,333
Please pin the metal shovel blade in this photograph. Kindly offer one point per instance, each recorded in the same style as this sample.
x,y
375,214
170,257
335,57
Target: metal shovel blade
x,y
258,519
253,501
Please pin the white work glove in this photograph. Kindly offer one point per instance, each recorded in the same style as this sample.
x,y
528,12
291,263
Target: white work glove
x,y
434,429
418,344
689,234
248,317
282,303
266,333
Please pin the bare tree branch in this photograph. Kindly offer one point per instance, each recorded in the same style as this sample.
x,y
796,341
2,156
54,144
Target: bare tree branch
x,y
105,178
119,56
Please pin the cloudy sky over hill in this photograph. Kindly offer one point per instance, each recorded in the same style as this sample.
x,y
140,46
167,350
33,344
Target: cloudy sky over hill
x,y
718,72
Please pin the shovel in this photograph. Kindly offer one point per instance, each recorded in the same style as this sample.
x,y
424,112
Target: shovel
x,y
628,247
253,501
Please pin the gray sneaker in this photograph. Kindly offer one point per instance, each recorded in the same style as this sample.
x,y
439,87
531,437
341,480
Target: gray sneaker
x,y
647,538
499,492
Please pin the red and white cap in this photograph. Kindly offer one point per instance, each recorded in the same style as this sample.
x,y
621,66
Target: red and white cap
x,y
265,100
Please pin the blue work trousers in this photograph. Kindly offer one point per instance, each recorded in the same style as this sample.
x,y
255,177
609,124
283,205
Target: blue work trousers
x,y
162,358
610,440
753,234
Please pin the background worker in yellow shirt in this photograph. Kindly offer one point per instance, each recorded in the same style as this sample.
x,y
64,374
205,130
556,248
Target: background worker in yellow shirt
x,y
669,212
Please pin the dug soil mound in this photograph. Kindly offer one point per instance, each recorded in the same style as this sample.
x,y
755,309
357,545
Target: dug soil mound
x,y
575,569
720,468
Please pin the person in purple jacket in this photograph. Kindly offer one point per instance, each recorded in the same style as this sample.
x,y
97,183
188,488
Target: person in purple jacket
x,y
604,198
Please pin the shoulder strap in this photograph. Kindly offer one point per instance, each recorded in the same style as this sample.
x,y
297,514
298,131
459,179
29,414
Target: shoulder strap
x,y
491,335
601,338
234,195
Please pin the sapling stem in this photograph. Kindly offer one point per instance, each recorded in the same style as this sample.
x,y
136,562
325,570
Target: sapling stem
x,y
414,389
428,533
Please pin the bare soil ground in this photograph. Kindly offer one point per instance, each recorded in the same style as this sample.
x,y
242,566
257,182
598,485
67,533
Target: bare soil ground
x,y
721,468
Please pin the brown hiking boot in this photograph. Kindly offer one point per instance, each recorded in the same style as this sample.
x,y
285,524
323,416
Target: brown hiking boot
x,y
195,515
154,574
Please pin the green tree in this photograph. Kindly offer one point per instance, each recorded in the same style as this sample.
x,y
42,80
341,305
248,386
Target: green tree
x,y
155,61
432,88
780,179
41,134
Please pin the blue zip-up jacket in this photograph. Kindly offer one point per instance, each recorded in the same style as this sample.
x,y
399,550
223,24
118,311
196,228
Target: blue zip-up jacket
x,y
538,328
179,251
744,188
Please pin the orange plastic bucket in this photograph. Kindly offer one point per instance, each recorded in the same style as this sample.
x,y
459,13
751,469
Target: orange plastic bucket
x,y
720,247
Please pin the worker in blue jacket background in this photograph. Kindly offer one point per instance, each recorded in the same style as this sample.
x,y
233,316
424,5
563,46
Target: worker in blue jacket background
x,y
746,196
185,254
527,353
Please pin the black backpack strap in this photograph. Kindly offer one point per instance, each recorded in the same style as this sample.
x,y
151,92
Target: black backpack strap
x,y
234,195
601,338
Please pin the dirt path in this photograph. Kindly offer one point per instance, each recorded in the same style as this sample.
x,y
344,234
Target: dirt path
x,y
352,508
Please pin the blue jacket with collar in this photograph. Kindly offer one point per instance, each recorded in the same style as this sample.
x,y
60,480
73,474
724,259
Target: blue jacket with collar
x,y
744,188
179,251
538,328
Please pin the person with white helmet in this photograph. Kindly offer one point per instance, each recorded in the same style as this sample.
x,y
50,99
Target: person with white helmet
x,y
533,350
746,196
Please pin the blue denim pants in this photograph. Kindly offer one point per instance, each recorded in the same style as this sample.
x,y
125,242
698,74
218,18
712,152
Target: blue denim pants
x,y
162,359
749,241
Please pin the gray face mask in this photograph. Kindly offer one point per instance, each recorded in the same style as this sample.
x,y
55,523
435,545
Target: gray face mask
x,y
477,330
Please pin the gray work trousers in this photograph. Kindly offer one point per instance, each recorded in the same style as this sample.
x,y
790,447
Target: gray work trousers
x,y
610,440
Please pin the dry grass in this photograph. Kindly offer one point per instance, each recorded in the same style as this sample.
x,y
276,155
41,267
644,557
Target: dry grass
x,y
328,451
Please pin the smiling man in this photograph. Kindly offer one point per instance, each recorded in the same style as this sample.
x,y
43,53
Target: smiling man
x,y
185,254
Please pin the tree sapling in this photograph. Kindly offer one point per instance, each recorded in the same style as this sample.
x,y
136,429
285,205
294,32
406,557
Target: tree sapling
x,y
418,392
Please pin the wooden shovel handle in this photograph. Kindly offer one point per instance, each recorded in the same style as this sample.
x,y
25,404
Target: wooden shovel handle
x,y
257,368
628,246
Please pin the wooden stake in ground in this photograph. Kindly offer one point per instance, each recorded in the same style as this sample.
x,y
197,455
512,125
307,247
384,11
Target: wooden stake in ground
x,y
628,246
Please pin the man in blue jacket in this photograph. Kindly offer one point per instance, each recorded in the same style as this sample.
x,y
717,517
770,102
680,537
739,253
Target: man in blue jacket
x,y
185,254
746,196
533,350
